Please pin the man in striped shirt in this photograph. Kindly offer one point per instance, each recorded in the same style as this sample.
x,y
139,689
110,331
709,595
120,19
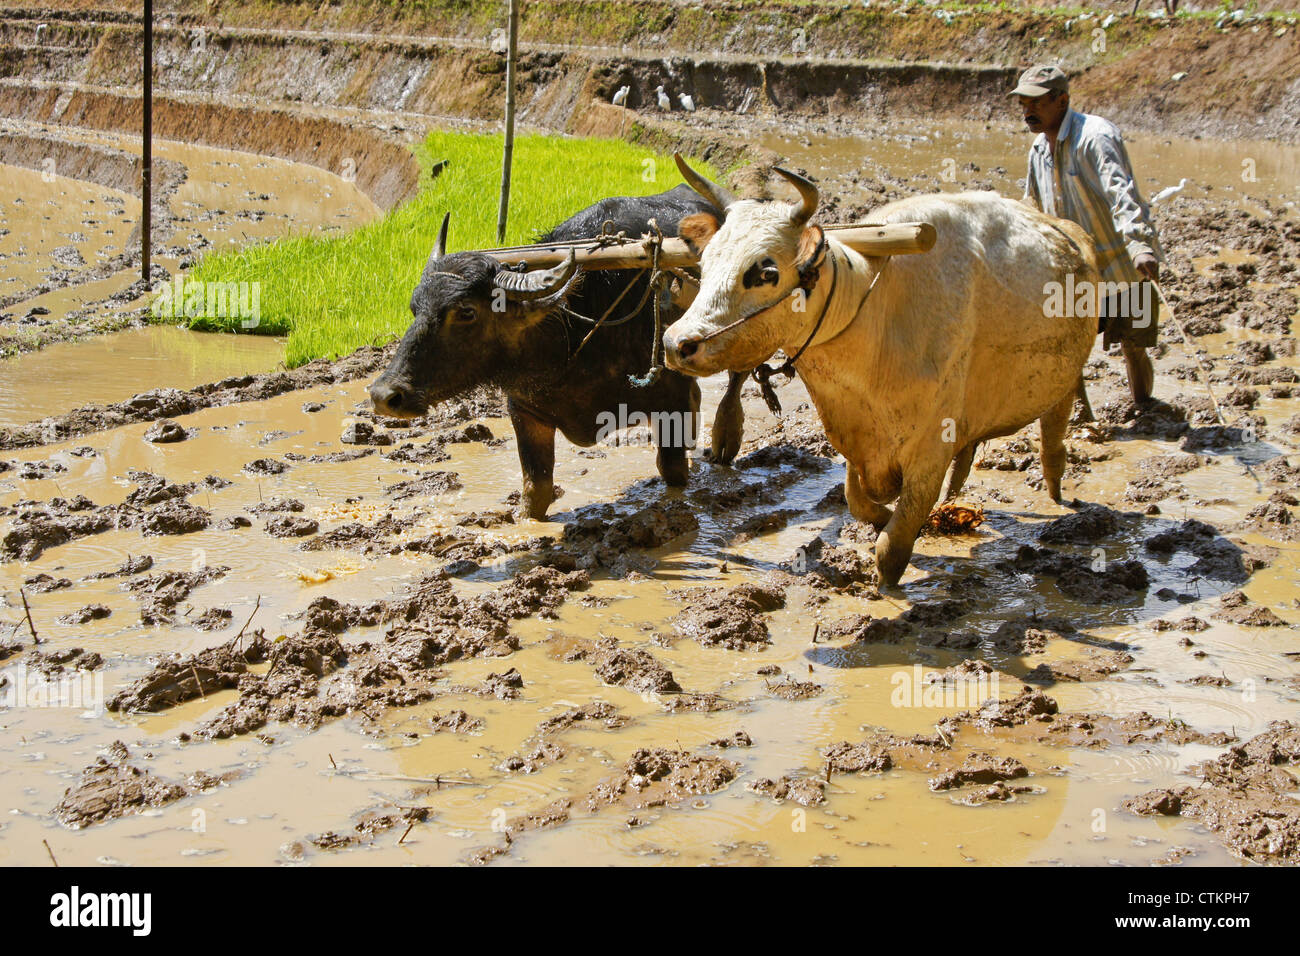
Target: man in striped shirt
x,y
1079,170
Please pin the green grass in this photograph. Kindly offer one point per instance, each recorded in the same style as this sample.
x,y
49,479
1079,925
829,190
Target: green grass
x,y
332,295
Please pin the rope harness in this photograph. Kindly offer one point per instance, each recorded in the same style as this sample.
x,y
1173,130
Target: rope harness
x,y
659,277
809,276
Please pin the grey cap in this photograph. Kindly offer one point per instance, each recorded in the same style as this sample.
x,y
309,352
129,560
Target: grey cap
x,y
1041,79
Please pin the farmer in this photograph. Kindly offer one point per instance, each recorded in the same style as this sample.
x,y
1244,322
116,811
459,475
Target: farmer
x,y
1079,170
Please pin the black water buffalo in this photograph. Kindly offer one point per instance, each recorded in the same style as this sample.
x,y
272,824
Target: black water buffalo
x,y
479,323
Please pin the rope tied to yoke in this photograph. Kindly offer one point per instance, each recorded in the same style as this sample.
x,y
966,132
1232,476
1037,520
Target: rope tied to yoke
x,y
658,276
809,276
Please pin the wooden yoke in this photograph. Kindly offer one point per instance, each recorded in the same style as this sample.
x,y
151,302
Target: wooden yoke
x,y
895,239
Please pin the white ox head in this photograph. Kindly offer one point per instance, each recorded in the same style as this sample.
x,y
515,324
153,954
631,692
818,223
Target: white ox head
x,y
750,264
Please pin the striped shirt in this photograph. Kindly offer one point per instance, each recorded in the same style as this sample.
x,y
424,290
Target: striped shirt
x,y
1089,180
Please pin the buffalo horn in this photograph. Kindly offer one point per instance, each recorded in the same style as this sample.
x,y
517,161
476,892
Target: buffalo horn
x,y
536,285
711,191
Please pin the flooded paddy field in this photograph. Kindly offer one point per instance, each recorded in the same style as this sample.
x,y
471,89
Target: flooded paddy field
x,y
290,632
70,249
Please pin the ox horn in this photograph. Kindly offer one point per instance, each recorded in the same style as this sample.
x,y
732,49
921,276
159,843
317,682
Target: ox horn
x,y
711,191
536,285
808,195
440,247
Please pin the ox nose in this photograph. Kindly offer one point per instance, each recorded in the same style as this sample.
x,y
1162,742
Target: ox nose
x,y
679,350
388,399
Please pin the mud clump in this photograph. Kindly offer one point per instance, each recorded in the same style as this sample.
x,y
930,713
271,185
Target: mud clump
x,y
313,678
805,791
731,618
1097,665
790,689
538,591
1119,582
1216,556
863,628
166,432
836,568
37,529
111,787
1244,797
290,526
633,668
602,538
1237,608
455,722
1275,518
371,824
52,663
176,679
1090,524
655,777
160,593
425,486
174,517
597,711
84,615
128,568
698,704
980,768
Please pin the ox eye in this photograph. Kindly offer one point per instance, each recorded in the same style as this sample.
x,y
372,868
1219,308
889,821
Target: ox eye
x,y
762,273
464,313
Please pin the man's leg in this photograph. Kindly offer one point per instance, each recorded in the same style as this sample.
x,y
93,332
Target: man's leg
x,y
1141,373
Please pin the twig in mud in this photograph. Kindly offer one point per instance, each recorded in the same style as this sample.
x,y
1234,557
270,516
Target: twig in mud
x,y
51,853
332,763
817,626
402,838
197,680
249,621
28,611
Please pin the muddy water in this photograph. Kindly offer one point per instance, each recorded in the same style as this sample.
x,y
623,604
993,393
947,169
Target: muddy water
x,y
889,818
295,785
970,155
228,199
49,223
113,367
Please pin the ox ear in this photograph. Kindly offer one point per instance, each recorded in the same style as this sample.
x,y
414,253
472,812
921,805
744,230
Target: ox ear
x,y
697,230
811,249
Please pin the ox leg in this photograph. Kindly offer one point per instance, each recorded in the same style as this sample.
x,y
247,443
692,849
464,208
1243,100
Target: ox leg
x,y
672,441
536,441
895,543
960,470
1081,394
860,506
729,423
1052,427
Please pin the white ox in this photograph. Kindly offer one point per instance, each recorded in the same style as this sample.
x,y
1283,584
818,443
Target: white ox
x,y
948,349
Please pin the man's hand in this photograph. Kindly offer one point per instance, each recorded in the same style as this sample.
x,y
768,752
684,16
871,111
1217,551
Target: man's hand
x,y
1147,266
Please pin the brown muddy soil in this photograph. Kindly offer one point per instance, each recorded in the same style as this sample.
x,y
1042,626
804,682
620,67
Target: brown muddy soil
x,y
1246,796
111,787
582,676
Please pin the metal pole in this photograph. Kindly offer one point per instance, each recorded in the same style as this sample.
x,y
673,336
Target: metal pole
x,y
508,155
146,190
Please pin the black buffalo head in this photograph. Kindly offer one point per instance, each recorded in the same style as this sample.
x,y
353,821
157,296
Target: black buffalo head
x,y
474,322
